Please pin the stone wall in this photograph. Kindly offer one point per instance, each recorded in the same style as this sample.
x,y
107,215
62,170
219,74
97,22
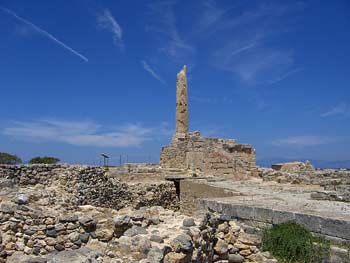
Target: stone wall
x,y
193,190
137,168
28,235
255,220
148,235
34,231
209,156
77,185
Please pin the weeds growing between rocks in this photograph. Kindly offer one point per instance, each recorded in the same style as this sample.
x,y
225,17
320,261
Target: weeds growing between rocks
x,y
291,242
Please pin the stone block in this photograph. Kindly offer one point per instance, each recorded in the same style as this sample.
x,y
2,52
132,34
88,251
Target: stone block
x,y
335,227
282,216
312,223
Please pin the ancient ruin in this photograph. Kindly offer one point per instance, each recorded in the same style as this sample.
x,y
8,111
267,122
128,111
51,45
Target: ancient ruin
x,y
206,201
204,156
181,104
294,167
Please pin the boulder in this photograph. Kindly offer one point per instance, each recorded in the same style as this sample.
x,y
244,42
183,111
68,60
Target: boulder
x,y
188,222
182,243
135,230
121,224
235,258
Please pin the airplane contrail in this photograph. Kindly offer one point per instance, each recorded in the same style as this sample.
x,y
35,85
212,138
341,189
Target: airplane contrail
x,y
45,33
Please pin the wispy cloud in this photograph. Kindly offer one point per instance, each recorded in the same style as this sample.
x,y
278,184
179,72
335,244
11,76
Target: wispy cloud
x,y
84,133
249,54
254,65
286,75
106,21
304,141
209,15
148,68
162,21
340,109
44,33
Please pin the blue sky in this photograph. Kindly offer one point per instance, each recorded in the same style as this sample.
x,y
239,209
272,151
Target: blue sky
x,y
86,77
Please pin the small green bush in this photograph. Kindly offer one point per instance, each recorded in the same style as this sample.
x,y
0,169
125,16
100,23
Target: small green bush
x,y
44,160
291,242
6,158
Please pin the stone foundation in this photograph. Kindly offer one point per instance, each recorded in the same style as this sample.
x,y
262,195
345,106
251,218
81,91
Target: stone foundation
x,y
296,167
209,156
192,191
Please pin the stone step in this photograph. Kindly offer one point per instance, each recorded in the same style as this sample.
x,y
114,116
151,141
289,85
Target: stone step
x,y
324,225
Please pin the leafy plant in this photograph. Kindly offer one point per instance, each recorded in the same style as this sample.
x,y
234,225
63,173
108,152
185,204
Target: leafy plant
x,y
291,242
44,160
6,158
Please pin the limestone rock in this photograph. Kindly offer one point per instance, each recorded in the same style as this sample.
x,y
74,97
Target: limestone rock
x,y
104,234
221,247
182,243
135,230
235,258
155,255
121,224
173,257
181,102
188,222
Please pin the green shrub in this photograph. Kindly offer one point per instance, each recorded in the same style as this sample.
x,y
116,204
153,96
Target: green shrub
x,y
6,158
291,242
44,160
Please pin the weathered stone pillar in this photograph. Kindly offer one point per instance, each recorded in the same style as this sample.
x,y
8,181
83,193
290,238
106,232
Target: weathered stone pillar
x,y
181,104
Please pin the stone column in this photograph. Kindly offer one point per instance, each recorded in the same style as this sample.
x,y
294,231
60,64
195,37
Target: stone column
x,y
181,104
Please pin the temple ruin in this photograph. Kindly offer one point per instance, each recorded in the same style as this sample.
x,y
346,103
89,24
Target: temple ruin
x,y
200,155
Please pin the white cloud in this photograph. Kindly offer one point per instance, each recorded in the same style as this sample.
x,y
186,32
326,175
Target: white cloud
x,y
162,21
249,54
106,21
210,15
148,68
252,64
44,33
286,75
303,141
84,133
340,109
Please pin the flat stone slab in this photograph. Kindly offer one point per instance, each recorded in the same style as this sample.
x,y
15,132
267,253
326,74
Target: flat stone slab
x,y
184,177
276,203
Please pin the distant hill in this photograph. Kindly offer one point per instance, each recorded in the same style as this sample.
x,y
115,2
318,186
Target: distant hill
x,y
322,164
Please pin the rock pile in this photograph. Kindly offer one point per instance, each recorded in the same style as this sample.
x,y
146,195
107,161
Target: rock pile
x,y
160,194
37,232
146,235
81,185
317,177
336,183
90,185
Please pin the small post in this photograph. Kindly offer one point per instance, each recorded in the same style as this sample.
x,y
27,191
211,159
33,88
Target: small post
x,y
105,159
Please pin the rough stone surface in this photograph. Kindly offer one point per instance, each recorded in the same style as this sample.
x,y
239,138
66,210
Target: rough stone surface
x,y
181,103
85,185
196,155
295,167
201,156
